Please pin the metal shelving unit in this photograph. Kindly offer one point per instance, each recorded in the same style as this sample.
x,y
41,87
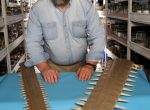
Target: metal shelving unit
x,y
14,19
14,44
137,19
133,19
118,17
118,39
3,53
6,20
1,22
17,65
114,14
120,0
140,18
140,49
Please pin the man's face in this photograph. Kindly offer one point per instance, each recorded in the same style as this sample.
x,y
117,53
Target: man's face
x,y
60,2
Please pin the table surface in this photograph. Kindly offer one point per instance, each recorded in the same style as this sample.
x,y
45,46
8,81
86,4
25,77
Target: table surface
x,y
64,94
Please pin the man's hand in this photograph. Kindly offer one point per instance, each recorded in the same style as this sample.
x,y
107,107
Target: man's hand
x,y
50,75
85,72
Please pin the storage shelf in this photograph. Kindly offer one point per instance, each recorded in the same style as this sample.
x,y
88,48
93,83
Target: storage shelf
x,y
5,21
118,17
14,44
133,19
118,39
10,4
1,22
116,1
14,19
15,69
3,54
140,49
140,18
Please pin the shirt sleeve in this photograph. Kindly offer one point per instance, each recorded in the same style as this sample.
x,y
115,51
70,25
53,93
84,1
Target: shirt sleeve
x,y
96,35
34,41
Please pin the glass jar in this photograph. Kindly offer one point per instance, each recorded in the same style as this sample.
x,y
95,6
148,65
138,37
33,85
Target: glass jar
x,y
147,42
140,37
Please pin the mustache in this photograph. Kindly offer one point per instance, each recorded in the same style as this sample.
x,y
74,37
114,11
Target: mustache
x,y
60,2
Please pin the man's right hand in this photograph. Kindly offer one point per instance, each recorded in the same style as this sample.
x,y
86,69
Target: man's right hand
x,y
50,75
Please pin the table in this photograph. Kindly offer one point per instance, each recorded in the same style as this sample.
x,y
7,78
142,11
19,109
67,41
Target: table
x,y
64,94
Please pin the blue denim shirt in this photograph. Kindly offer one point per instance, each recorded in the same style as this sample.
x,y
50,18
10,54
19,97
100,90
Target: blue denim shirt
x,y
63,37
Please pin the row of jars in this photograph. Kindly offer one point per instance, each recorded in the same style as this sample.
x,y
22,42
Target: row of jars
x,y
141,7
122,7
14,58
2,41
3,67
117,49
16,9
141,35
16,55
118,8
118,27
14,31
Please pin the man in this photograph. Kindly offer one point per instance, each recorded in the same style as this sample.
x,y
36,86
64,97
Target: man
x,y
58,34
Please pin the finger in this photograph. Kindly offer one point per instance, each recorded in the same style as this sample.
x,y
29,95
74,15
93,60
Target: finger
x,y
78,72
47,78
89,77
44,77
81,76
55,76
87,73
51,78
86,76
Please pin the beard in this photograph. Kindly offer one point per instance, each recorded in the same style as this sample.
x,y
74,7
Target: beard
x,y
60,2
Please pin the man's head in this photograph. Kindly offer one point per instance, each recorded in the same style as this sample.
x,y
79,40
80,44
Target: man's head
x,y
60,2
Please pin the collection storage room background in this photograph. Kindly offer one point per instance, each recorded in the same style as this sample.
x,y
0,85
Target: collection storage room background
x,y
13,14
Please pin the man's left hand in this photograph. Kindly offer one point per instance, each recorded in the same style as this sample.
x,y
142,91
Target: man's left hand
x,y
85,72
